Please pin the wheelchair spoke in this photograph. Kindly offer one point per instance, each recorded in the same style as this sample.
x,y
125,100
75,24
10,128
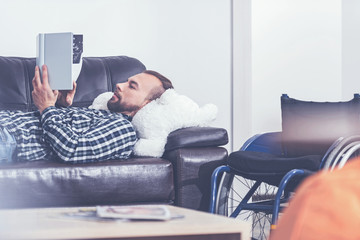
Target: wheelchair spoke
x,y
231,193
234,200
237,194
261,222
245,182
246,215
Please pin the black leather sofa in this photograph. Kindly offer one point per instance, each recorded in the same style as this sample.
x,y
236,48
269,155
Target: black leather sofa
x,y
181,177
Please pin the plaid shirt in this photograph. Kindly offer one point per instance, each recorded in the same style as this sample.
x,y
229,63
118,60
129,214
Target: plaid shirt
x,y
73,134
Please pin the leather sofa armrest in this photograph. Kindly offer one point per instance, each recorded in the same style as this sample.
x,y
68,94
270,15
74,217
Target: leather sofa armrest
x,y
196,137
195,153
193,167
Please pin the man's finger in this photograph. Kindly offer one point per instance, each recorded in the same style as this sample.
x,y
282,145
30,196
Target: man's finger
x,y
45,79
74,88
36,80
56,93
68,100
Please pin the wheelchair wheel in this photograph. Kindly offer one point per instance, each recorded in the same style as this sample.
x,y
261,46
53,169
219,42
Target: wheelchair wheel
x,y
232,190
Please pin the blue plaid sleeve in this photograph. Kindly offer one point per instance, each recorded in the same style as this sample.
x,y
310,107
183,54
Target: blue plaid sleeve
x,y
81,138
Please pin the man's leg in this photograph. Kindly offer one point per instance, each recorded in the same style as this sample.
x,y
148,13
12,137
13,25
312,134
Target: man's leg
x,y
7,146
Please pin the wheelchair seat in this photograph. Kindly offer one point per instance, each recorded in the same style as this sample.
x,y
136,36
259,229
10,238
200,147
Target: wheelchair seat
x,y
250,162
270,166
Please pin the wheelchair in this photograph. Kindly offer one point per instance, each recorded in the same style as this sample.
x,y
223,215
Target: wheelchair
x,y
259,179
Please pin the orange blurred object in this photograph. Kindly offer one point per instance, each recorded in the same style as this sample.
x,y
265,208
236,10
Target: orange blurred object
x,y
325,206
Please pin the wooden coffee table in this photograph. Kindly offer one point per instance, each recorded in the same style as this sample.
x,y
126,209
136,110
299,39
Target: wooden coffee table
x,y
49,223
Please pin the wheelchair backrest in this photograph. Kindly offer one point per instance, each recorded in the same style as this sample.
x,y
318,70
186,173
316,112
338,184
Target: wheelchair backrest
x,y
309,128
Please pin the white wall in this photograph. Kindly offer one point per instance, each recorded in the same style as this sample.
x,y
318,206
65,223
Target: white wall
x,y
242,73
296,49
189,41
350,48
280,46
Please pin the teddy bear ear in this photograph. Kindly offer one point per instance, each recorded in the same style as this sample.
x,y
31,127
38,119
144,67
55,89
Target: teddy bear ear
x,y
100,102
208,114
166,96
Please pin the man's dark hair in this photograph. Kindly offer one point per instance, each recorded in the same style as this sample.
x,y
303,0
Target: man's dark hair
x,y
166,83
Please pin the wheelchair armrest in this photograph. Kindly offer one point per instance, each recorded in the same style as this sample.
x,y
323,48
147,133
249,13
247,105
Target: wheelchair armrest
x,y
266,142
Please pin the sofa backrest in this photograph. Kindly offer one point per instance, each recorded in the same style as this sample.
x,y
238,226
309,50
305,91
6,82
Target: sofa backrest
x,y
98,75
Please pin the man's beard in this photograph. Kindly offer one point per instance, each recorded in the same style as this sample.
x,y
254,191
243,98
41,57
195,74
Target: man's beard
x,y
116,106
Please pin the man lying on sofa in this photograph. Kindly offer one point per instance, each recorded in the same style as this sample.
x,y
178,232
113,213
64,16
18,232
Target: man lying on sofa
x,y
77,134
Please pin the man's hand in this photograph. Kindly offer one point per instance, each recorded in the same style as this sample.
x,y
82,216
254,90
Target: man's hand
x,y
66,97
43,96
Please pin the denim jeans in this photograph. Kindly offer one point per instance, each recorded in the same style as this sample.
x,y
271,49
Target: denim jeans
x,y
7,146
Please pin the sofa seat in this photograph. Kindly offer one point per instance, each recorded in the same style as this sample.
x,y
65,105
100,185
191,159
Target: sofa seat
x,y
50,184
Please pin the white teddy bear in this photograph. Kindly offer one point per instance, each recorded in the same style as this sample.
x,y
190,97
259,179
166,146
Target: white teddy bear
x,y
157,119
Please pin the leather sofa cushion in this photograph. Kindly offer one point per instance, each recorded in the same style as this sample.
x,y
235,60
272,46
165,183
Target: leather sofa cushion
x,y
101,74
48,184
15,82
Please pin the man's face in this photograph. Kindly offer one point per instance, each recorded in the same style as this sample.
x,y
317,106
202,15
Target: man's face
x,y
131,96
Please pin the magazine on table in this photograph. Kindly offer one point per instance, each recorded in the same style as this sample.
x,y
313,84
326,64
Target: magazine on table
x,y
135,212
